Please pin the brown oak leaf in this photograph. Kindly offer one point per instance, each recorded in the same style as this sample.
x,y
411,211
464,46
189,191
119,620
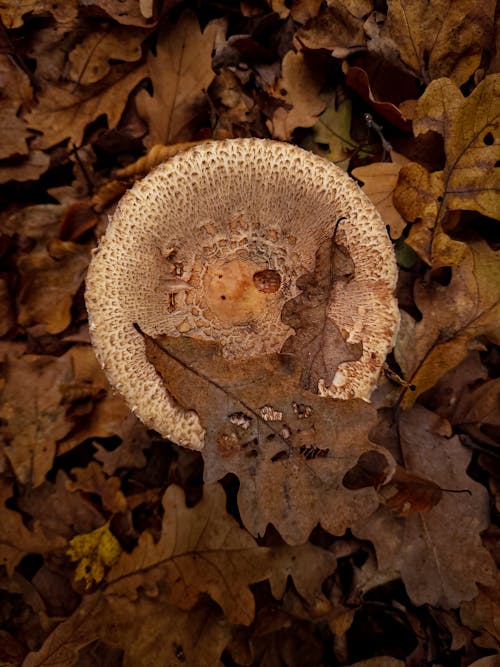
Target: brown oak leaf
x,y
469,127
438,553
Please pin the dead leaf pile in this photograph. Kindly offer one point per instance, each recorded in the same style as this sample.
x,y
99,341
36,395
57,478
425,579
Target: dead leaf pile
x,y
309,531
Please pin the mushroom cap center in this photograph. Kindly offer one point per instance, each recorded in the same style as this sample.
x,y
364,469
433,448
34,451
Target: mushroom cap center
x,y
232,293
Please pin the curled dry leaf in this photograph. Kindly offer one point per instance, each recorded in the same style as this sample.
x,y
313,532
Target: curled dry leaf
x,y
290,467
93,480
13,14
299,89
18,541
452,317
434,39
180,72
379,182
49,280
439,553
126,12
469,127
155,156
482,614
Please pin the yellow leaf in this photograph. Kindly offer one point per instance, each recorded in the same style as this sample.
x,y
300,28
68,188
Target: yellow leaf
x,y
94,551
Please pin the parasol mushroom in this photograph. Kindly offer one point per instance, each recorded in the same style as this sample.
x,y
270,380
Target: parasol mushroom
x,y
211,244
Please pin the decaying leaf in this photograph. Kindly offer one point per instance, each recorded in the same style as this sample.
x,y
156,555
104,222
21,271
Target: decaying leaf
x,y
333,129
453,316
33,421
17,541
438,553
180,72
94,552
483,613
436,38
469,127
93,480
90,59
64,111
289,448
379,182
49,280
299,89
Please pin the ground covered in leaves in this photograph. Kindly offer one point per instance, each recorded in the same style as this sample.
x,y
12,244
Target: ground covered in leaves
x,y
371,538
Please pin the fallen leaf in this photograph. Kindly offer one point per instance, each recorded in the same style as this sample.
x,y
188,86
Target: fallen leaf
x,y
439,553
16,92
468,126
205,546
24,169
64,112
126,12
90,59
357,79
299,89
33,421
180,72
333,129
379,182
12,13
452,317
156,155
338,28
482,614
18,541
92,479
59,511
434,39
49,280
289,448
196,637
300,10
94,552
318,342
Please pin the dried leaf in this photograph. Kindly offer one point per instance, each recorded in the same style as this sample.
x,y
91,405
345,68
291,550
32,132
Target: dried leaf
x,y
33,421
338,28
452,317
93,480
292,448
64,112
180,72
438,553
25,169
436,38
299,89
333,129
90,59
17,541
483,612
468,181
318,343
126,12
49,280
379,182
94,552
155,156
12,13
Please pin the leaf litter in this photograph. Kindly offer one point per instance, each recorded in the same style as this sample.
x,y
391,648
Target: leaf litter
x,y
307,525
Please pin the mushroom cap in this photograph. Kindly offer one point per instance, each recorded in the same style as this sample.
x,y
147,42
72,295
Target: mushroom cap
x,y
211,244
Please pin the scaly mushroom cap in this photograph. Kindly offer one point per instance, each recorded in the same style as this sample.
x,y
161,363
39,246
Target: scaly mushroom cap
x,y
210,245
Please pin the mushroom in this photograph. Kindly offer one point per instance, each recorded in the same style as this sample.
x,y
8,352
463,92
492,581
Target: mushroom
x,y
210,245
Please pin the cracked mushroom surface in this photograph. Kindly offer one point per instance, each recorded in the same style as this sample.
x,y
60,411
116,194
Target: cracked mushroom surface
x,y
210,245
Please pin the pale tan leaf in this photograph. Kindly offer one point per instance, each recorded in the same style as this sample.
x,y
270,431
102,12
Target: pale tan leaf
x,y
299,89
180,72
